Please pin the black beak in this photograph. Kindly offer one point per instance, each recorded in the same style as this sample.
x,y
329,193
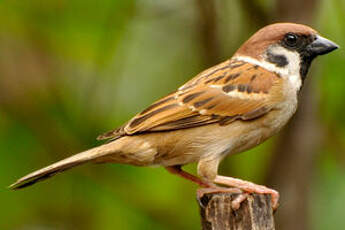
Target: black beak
x,y
321,46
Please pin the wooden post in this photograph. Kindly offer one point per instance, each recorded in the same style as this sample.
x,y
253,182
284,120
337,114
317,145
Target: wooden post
x,y
255,212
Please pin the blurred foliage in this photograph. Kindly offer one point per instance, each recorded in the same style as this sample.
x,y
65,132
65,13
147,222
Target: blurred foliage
x,y
70,70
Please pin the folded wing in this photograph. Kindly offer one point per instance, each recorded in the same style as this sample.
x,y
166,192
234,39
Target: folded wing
x,y
229,91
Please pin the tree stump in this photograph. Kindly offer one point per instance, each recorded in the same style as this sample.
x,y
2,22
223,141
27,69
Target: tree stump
x,y
255,212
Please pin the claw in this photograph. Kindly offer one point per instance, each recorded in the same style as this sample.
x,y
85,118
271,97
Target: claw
x,y
235,204
249,187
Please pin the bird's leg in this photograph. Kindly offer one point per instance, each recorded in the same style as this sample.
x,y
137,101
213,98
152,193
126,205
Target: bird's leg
x,y
249,187
208,187
176,169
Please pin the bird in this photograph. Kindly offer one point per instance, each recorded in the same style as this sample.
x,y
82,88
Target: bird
x,y
226,109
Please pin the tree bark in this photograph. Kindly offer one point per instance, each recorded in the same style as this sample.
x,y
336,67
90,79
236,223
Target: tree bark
x,y
255,213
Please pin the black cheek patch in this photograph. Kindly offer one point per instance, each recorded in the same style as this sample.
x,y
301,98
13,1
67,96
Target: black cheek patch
x,y
278,60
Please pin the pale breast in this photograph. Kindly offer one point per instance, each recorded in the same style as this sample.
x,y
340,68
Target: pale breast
x,y
253,133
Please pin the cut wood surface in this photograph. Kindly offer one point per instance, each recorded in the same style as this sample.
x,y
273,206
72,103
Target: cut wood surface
x,y
254,213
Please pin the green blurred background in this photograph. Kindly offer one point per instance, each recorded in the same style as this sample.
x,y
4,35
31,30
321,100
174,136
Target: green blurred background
x,y
70,70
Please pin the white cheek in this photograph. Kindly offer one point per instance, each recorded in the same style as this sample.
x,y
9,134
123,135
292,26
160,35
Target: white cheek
x,y
291,71
292,57
292,68
295,81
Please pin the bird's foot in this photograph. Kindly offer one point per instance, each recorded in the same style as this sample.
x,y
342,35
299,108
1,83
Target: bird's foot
x,y
249,187
235,204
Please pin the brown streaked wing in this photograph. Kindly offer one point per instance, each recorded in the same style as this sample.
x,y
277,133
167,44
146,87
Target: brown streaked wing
x,y
229,91
113,134
210,73
245,92
218,70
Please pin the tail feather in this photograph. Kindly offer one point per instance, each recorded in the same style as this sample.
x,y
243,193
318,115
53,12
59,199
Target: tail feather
x,y
63,165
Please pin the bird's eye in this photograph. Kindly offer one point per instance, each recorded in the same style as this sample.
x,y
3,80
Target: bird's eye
x,y
290,40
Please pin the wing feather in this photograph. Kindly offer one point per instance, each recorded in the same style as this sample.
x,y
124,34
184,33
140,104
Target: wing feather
x,y
229,91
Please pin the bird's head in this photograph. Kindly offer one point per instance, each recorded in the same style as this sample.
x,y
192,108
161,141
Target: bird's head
x,y
286,48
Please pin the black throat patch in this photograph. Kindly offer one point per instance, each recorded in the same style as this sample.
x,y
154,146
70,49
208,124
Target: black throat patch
x,y
306,60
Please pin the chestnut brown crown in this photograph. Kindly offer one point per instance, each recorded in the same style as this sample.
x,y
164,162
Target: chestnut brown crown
x,y
256,45
288,46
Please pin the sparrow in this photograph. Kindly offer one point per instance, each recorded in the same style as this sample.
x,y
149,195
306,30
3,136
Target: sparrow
x,y
226,109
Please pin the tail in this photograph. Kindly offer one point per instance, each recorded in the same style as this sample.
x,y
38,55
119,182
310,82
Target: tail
x,y
75,160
